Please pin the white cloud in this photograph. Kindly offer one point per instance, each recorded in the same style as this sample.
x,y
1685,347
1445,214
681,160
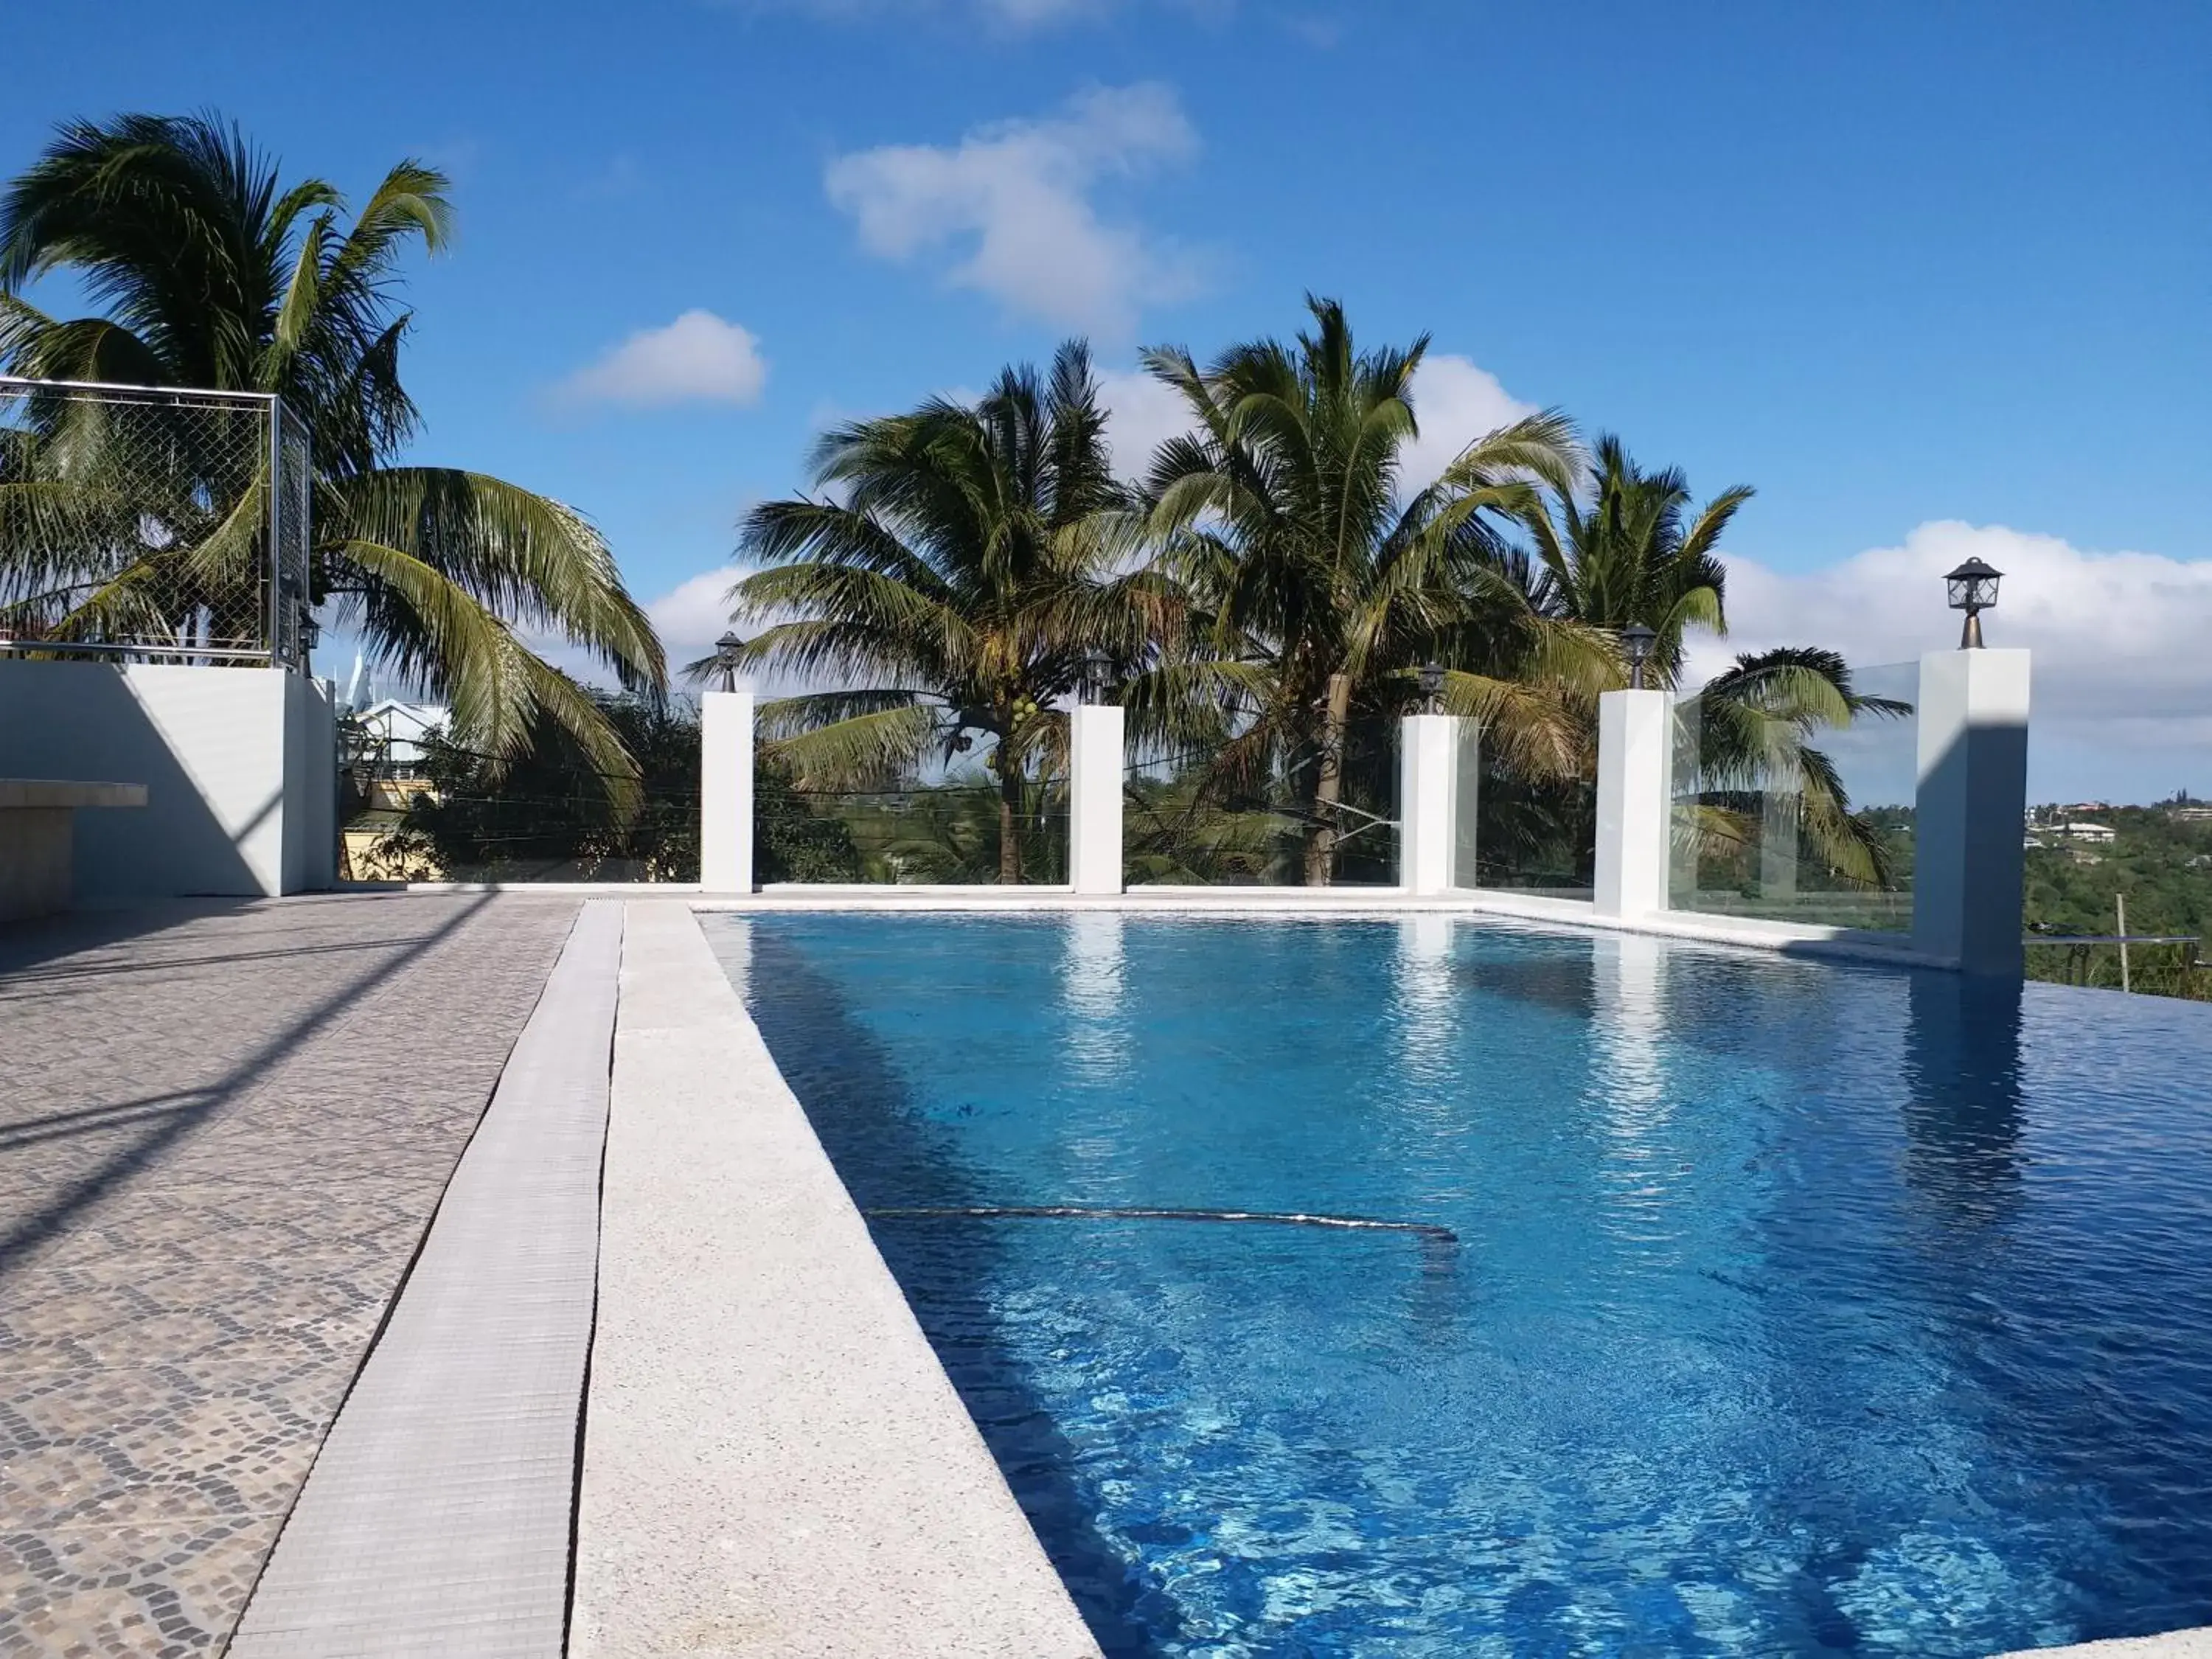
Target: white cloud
x,y
1456,403
691,616
1013,201
698,358
2122,697
1142,413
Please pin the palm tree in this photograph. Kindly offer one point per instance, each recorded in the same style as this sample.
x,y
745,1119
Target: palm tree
x,y
1623,549
209,274
1320,586
961,569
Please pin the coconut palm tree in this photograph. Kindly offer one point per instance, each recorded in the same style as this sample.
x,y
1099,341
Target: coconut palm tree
x,y
209,273
1623,547
1320,586
961,569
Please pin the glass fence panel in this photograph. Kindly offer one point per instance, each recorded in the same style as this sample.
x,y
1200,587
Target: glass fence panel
x,y
1241,815
1780,813
1467,805
416,806
959,831
1535,836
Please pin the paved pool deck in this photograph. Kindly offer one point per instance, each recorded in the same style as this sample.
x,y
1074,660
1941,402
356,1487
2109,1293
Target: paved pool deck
x,y
223,1130
314,1214
301,1266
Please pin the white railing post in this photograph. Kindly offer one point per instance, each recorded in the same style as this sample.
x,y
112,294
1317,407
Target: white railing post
x,y
1095,763
1634,739
1967,868
726,791
1428,802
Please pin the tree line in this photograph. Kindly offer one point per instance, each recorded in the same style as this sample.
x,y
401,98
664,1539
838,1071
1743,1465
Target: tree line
x,y
1262,601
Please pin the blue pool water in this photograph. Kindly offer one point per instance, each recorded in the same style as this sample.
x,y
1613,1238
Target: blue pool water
x,y
1798,1308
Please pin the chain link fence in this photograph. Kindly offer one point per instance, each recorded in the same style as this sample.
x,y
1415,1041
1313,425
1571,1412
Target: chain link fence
x,y
153,524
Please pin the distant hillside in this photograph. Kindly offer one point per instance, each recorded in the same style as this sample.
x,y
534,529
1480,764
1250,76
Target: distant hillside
x,y
2160,858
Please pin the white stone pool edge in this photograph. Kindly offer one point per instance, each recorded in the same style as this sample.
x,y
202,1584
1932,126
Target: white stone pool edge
x,y
773,1461
2176,1644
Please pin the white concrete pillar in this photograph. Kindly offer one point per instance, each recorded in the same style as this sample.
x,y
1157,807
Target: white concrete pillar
x,y
1095,765
726,791
1966,862
1634,732
1428,802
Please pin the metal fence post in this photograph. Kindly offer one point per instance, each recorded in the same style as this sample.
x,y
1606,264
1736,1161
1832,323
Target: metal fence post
x,y
274,412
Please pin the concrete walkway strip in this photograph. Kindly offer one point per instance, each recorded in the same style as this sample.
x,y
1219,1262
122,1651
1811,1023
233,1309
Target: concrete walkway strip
x,y
775,1465
436,1518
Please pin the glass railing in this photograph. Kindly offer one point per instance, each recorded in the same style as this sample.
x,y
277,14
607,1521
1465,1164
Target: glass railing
x,y
443,811
1796,821
1528,836
961,830
1231,815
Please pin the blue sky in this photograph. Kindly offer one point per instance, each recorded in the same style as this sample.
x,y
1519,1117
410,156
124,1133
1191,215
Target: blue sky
x,y
1934,278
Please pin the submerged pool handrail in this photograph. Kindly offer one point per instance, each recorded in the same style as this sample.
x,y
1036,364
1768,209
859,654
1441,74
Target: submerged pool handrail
x,y
1427,1232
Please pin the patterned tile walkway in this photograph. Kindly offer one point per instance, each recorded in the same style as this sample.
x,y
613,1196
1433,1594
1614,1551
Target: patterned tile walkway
x,y
223,1132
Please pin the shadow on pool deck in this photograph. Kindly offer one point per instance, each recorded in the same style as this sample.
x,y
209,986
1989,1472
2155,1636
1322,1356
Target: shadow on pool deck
x,y
886,1156
167,1118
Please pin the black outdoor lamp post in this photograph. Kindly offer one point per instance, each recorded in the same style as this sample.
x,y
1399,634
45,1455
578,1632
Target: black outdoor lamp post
x,y
1432,687
726,659
1637,641
1973,589
1098,669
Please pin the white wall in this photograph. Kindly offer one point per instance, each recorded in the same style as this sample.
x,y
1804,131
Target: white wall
x,y
239,765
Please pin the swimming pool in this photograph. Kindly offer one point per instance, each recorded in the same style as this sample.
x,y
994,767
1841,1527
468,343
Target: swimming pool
x,y
1795,1310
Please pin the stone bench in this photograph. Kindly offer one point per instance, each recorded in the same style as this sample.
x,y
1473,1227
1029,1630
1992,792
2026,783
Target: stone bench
x,y
36,832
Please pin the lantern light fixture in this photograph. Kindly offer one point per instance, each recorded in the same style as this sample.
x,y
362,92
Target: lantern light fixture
x,y
1637,641
1973,588
1433,686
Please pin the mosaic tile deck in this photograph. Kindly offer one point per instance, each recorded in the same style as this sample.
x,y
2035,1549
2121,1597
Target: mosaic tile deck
x,y
223,1131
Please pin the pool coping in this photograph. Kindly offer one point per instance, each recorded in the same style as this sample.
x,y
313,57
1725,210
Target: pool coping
x,y
774,1460
1801,940
2195,1643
